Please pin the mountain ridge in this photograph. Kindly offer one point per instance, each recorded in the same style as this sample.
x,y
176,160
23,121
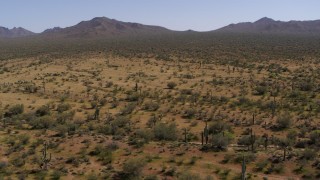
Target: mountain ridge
x,y
14,32
269,26
105,27
102,26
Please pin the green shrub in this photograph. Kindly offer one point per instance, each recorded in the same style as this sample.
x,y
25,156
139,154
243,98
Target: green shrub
x,y
308,154
63,107
43,110
14,110
151,106
284,121
133,167
220,142
103,154
164,131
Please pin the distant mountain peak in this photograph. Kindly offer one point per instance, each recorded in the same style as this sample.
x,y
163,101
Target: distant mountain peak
x,y
14,32
265,20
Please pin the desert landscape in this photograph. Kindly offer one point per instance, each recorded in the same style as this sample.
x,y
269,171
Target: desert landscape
x,y
106,99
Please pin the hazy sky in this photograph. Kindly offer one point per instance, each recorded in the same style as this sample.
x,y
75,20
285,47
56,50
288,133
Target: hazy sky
x,y
201,15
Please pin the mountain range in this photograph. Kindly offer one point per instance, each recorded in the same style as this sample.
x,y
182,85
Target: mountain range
x,y
14,32
102,26
267,25
105,27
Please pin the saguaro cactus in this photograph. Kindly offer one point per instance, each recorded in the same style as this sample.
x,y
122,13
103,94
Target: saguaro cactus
x,y
252,139
266,140
206,132
45,160
136,87
185,135
253,118
97,113
202,134
243,169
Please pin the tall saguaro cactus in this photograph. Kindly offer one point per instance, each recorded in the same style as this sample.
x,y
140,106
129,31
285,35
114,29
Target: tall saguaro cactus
x,y
45,159
202,134
185,135
206,132
252,139
243,169
253,118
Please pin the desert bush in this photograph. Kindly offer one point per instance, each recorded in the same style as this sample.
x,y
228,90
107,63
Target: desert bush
x,y
18,161
121,121
3,166
104,129
44,122
61,130
292,135
63,107
23,138
109,84
132,168
308,154
188,113
186,91
260,90
245,140
65,116
220,142
171,85
284,121
314,137
103,154
164,131
140,137
151,106
128,109
55,175
219,127
261,165
14,110
277,168
305,85
132,96
43,110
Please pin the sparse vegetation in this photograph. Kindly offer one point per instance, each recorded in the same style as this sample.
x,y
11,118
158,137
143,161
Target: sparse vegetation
x,y
112,109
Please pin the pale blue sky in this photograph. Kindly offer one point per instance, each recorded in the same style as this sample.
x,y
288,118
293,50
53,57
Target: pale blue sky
x,y
200,15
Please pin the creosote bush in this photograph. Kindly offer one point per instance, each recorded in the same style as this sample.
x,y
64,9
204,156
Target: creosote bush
x,y
164,131
171,85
